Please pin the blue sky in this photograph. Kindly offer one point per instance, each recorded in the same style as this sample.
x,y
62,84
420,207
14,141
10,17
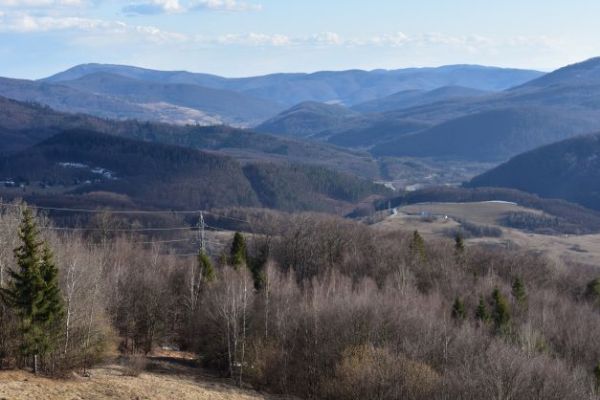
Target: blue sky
x,y
250,37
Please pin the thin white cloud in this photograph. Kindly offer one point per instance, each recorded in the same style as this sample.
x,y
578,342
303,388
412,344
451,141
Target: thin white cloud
x,y
226,5
42,3
21,22
250,39
325,38
177,6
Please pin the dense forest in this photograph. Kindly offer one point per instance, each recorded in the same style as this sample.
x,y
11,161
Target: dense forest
x,y
309,305
78,164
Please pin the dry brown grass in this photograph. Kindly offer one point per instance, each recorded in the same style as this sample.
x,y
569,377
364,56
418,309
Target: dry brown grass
x,y
166,381
573,248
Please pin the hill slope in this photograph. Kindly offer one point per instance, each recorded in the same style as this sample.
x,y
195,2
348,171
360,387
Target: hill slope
x,y
570,97
117,97
490,135
223,105
168,381
414,98
568,170
348,87
582,73
23,125
150,174
309,118
75,164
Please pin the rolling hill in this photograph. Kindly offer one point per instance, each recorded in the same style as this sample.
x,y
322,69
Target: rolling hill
x,y
346,87
222,105
78,165
24,124
493,135
415,98
568,170
310,118
116,97
562,104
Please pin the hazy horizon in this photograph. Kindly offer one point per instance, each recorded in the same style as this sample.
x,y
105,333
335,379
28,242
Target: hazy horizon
x,y
237,38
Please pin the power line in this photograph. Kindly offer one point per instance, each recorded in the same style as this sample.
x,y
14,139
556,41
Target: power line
x,y
125,212
101,211
62,228
163,241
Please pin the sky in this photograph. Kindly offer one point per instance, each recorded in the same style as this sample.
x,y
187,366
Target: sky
x,y
254,37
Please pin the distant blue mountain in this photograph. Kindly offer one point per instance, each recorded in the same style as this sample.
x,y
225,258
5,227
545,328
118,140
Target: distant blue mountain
x,y
415,98
346,87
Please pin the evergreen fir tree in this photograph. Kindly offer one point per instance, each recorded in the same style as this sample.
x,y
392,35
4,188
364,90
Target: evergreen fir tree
x,y
593,289
458,309
481,313
501,313
257,266
206,266
34,293
53,312
518,291
459,249
238,253
459,244
417,247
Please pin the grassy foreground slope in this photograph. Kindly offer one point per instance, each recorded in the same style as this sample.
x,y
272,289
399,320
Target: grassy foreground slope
x,y
111,382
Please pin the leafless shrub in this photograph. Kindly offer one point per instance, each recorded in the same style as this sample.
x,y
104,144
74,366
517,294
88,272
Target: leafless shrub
x,y
134,365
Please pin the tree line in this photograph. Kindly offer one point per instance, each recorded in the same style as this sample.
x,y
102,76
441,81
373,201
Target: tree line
x,y
309,305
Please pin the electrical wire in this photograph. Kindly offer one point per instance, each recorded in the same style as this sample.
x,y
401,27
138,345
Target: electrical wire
x,y
126,212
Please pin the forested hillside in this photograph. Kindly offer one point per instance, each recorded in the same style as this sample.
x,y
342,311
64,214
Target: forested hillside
x,y
567,170
82,163
25,124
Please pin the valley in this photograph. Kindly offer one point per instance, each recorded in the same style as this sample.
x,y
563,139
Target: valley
x,y
415,233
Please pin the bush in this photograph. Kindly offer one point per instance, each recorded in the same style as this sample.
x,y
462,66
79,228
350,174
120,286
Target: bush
x,y
134,365
366,372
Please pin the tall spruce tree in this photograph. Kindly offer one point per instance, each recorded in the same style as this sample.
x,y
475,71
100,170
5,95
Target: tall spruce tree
x,y
593,289
417,247
481,312
238,253
458,309
519,292
459,249
206,266
33,292
501,312
54,310
597,375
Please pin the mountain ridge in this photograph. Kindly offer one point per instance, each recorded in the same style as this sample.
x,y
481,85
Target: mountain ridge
x,y
569,169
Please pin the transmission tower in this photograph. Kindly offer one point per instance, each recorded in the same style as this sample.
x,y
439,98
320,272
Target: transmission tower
x,y
201,238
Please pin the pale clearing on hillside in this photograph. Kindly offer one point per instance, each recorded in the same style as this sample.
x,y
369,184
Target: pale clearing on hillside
x,y
109,382
582,249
